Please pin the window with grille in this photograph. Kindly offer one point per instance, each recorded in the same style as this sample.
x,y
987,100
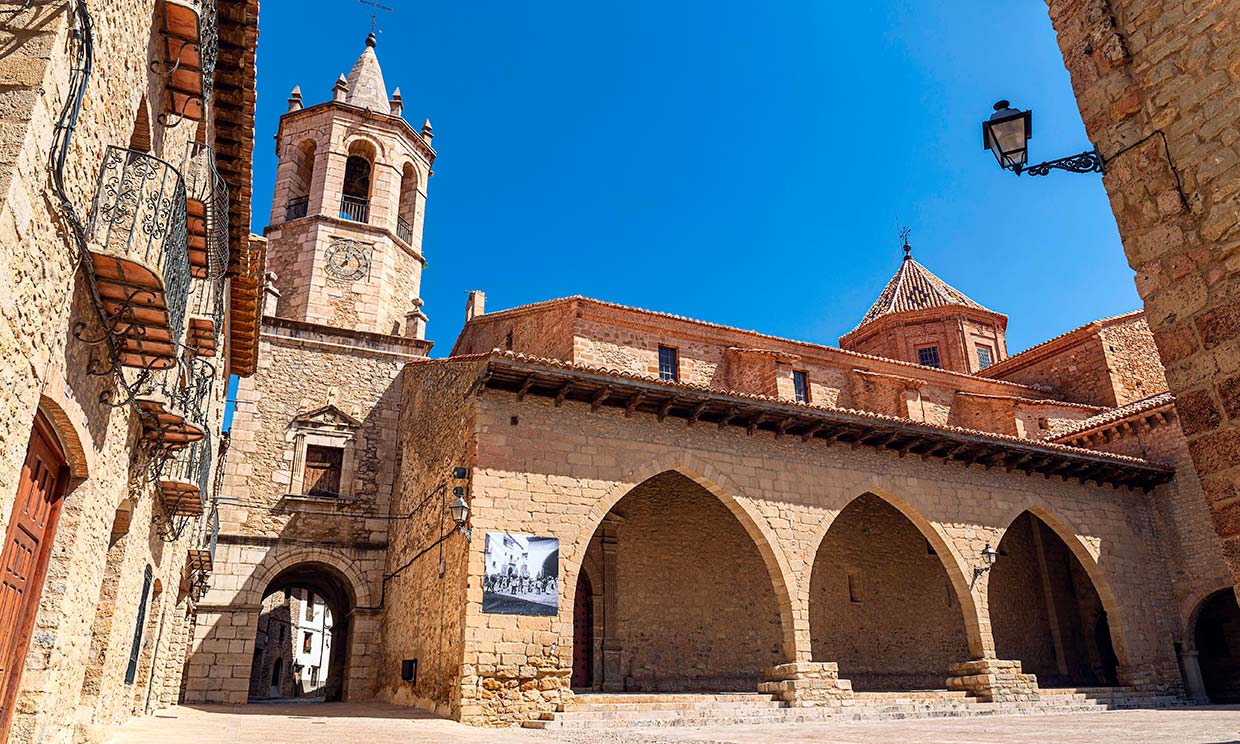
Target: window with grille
x,y
800,386
307,642
983,357
322,473
669,364
131,671
928,356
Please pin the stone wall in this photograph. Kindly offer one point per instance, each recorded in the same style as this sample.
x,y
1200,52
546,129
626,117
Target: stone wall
x,y
1157,83
557,471
72,686
424,617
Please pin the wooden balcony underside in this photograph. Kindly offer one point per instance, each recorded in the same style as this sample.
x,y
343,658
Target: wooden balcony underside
x,y
134,299
183,56
164,422
181,498
202,336
196,224
198,559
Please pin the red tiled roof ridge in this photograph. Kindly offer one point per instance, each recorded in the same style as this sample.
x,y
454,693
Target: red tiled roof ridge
x,y
1044,401
1034,352
1116,415
543,304
573,367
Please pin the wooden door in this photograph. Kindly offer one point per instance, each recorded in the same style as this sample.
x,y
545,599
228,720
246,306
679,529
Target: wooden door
x,y
23,561
583,635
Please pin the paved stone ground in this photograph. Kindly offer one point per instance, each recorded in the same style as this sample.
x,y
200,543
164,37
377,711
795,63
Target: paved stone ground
x,y
376,723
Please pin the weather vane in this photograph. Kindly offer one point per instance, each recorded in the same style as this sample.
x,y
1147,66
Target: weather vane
x,y
374,14
904,231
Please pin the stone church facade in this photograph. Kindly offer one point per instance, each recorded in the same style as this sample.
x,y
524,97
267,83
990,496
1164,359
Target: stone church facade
x,y
916,509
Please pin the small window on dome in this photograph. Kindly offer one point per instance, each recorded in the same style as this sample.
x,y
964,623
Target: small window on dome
x,y
984,358
928,356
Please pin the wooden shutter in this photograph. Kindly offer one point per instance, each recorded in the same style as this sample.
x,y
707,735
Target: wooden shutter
x,y
323,466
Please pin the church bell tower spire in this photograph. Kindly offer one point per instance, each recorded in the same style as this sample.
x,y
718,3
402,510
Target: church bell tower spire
x,y
345,237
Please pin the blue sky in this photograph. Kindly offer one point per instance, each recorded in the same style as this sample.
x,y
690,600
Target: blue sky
x,y
743,163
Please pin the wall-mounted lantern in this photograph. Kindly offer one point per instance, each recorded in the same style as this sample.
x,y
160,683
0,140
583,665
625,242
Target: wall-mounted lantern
x,y
1007,133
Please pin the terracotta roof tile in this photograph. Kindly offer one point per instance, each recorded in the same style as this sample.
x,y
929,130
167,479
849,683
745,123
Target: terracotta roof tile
x,y
1115,415
914,287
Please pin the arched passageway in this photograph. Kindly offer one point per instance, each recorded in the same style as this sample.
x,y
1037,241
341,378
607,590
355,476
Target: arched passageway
x,y
301,640
688,601
1046,612
881,604
1217,636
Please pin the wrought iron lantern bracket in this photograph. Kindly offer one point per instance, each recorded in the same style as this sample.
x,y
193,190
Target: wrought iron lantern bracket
x,y
1090,161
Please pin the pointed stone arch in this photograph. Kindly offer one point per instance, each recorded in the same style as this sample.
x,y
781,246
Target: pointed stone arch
x,y
1088,557
794,624
958,569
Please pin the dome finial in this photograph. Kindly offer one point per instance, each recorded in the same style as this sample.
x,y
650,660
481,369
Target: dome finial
x,y
371,41
908,249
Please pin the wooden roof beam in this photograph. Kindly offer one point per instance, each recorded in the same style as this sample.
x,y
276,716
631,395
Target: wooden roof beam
x,y
727,417
599,397
752,425
667,406
562,393
809,433
696,412
632,403
525,387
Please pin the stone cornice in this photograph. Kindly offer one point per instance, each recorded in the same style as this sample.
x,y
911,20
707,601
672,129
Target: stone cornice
x,y
414,136
345,340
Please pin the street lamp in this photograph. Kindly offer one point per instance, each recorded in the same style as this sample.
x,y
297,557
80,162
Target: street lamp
x,y
460,512
989,556
1006,134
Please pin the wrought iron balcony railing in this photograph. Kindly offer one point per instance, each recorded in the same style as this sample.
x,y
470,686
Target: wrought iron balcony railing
x,y
165,400
404,230
200,559
184,479
137,241
296,208
190,35
207,213
354,208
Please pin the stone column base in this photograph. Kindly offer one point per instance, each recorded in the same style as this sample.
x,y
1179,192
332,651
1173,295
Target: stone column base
x,y
993,680
806,684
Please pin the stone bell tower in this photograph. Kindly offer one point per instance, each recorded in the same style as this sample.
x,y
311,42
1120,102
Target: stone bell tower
x,y
313,458
345,238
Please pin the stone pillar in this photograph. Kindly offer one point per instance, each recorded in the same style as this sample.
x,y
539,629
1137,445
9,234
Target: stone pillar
x,y
271,295
993,680
1194,684
613,674
806,684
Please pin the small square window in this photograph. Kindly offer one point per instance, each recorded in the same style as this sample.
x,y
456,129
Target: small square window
x,y
669,364
928,356
800,386
307,642
983,357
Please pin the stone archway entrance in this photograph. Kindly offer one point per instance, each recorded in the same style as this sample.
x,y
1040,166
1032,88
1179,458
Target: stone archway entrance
x,y
1045,610
301,642
1217,637
881,603
688,602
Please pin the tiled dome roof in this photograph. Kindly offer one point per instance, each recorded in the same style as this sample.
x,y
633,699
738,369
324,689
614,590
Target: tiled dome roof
x,y
914,287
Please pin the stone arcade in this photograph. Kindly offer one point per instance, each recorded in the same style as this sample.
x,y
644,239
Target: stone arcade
x,y
734,511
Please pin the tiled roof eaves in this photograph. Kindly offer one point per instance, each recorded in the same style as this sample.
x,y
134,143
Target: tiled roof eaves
x,y
1116,415
846,415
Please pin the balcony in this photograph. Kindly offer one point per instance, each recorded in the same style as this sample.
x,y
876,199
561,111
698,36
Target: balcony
x,y
184,480
404,231
207,230
165,400
200,556
189,43
296,208
355,209
137,241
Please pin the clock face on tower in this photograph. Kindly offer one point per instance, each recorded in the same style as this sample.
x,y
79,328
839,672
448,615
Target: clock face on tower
x,y
348,260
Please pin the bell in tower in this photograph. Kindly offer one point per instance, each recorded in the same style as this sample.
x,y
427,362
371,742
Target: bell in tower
x,y
345,238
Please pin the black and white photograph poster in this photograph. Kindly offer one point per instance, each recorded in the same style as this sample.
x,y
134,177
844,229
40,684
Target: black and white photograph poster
x,y
522,575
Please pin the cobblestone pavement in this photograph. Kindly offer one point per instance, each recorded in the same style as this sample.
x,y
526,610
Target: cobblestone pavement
x,y
376,723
